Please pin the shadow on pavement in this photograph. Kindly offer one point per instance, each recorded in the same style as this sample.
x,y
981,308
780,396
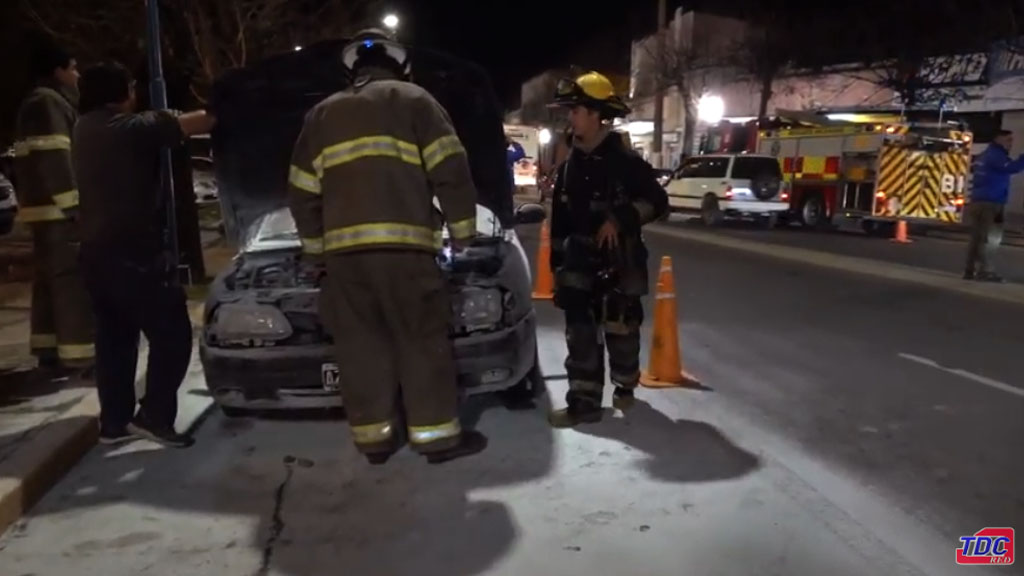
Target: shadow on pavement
x,y
321,507
677,450
19,386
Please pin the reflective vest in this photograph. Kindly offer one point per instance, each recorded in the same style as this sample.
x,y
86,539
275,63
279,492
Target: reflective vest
x,y
45,182
366,168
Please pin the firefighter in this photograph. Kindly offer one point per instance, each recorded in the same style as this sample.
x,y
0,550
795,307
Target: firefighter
x,y
365,168
62,322
132,281
604,194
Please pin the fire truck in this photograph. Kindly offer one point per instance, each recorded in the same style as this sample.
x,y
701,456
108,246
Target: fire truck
x,y
873,172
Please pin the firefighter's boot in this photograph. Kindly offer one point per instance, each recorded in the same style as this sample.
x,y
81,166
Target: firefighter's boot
x,y
472,442
576,413
623,398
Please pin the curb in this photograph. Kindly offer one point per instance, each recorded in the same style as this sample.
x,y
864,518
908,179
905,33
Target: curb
x,y
1012,293
962,237
54,448
38,465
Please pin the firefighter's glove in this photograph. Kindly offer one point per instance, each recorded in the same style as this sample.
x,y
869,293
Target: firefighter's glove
x,y
608,235
557,257
627,216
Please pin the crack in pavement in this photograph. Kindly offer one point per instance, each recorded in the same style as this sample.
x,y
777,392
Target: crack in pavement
x,y
276,522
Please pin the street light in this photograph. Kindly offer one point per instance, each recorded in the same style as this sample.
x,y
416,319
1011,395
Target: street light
x,y
390,22
544,136
710,109
298,48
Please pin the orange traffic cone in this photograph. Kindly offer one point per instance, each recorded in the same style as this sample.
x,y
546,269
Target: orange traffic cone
x,y
544,286
901,233
665,369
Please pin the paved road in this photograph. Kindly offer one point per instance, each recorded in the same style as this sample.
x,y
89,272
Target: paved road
x,y
932,253
837,437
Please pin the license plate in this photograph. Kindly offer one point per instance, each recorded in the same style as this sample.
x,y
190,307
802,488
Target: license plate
x,y
329,377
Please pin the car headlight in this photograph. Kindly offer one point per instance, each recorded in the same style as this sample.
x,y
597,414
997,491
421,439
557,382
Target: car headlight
x,y
240,322
475,308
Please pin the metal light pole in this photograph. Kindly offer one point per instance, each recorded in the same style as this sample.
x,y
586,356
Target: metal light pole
x,y
158,101
659,87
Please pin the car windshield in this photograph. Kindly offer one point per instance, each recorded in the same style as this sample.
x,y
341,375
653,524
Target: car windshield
x,y
276,230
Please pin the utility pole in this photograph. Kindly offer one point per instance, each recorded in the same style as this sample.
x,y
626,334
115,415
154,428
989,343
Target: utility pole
x,y
158,101
659,86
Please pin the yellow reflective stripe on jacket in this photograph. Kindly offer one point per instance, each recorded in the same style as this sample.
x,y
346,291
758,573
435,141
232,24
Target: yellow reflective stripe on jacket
x,y
30,214
66,200
32,144
379,233
428,434
440,149
313,245
303,180
42,341
373,433
367,147
463,228
76,351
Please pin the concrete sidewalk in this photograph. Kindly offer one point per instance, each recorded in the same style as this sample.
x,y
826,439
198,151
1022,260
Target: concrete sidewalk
x,y
1011,293
46,427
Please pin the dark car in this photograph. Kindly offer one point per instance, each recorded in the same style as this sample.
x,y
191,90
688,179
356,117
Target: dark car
x,y
8,201
263,345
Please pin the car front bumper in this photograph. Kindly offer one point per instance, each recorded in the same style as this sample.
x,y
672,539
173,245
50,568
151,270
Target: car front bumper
x,y
289,378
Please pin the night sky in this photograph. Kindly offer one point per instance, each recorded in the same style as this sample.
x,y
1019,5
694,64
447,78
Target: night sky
x,y
515,40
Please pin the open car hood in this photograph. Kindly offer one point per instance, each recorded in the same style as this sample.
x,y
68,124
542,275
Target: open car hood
x,y
260,110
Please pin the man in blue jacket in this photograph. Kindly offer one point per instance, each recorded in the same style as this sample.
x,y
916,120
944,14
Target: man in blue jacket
x,y
514,153
984,214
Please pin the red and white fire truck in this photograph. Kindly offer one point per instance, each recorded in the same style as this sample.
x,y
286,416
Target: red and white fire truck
x,y
869,172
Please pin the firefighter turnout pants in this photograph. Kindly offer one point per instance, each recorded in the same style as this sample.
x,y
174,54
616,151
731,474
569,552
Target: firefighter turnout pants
x,y
389,314
62,317
594,322
129,299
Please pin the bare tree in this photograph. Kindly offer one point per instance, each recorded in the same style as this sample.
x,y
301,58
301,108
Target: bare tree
x,y
92,29
207,36
765,52
691,69
231,33
900,45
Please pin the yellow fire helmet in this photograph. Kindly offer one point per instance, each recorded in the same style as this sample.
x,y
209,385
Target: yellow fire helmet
x,y
592,90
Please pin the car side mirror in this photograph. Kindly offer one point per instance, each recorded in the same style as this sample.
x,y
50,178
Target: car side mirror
x,y
530,214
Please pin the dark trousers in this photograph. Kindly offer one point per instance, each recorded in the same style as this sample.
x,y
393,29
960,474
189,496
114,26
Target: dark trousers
x,y
985,222
389,314
128,300
594,322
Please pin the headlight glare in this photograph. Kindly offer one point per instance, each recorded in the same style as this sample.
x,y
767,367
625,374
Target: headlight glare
x,y
236,322
476,308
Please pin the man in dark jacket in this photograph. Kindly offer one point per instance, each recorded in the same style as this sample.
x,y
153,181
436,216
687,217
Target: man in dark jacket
x,y
604,194
124,247
984,213
62,321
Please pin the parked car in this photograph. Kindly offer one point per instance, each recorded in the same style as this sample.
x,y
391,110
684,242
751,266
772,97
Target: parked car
x,y
263,345
719,186
204,182
8,200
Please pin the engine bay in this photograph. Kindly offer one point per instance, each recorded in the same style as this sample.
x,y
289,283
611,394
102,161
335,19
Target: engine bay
x,y
285,281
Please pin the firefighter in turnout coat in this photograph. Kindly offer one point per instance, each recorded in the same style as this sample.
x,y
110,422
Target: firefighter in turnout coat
x,y
604,194
365,169
62,321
